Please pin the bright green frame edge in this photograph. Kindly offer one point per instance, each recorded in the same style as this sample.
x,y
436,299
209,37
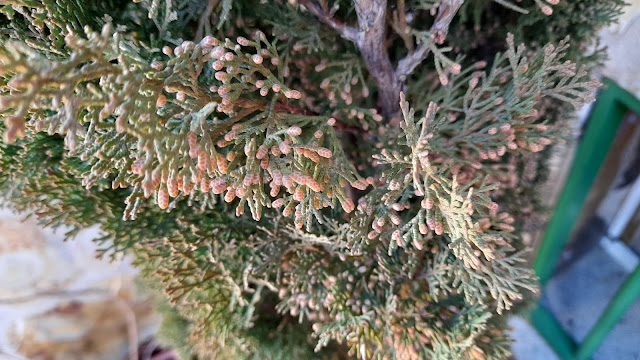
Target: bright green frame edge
x,y
601,127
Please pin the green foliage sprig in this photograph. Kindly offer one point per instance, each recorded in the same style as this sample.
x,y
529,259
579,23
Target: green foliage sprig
x,y
386,193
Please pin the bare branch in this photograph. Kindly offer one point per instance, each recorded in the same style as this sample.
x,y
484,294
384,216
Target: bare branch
x,y
370,40
346,31
439,30
371,43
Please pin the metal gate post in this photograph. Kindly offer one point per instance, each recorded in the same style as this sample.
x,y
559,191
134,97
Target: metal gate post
x,y
605,117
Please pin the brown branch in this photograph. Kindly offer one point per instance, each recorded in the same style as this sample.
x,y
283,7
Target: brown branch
x,y
371,43
399,25
370,40
439,30
252,105
292,109
344,30
205,21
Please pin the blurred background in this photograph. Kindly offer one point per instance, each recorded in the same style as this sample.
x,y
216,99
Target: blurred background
x,y
587,252
57,301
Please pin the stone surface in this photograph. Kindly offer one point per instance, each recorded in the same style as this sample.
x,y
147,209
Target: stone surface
x,y
93,331
57,301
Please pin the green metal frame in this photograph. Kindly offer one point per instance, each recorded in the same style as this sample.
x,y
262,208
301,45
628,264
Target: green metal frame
x,y
606,116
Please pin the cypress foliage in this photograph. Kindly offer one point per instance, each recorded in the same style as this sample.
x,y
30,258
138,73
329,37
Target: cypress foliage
x,y
302,179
